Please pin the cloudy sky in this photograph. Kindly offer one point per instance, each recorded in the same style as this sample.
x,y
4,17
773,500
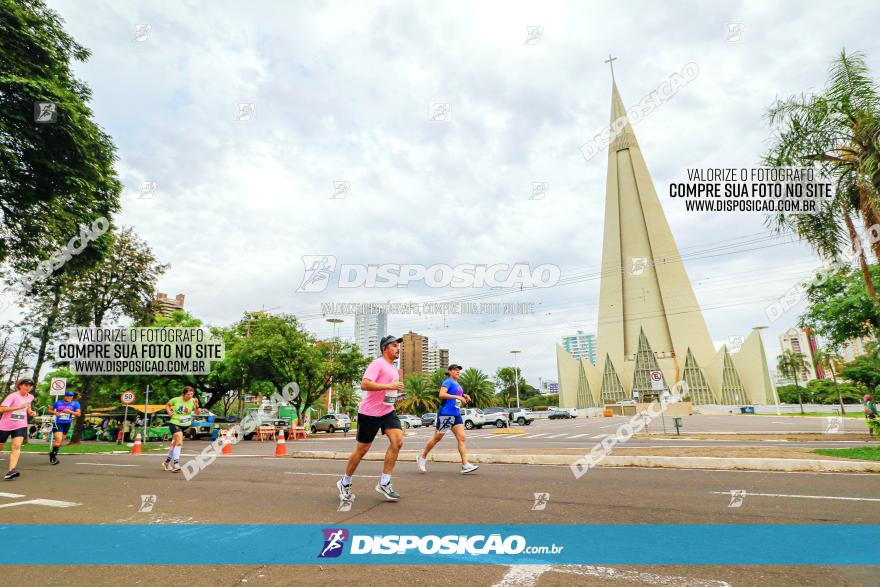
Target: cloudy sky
x,y
344,92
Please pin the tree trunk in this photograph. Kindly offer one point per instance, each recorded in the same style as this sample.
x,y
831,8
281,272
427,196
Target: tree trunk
x,y
798,388
839,395
869,216
863,263
47,330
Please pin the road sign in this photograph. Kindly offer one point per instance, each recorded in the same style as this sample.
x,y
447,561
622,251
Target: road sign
x,y
127,397
58,386
656,380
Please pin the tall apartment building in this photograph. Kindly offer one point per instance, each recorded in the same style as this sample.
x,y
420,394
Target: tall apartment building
x,y
163,305
581,346
436,358
413,353
801,340
854,347
369,330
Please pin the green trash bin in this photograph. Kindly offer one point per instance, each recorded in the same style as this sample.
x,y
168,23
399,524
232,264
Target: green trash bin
x,y
677,421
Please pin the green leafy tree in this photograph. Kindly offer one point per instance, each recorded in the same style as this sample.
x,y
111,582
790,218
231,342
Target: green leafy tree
x,y
835,132
864,370
506,388
839,308
828,360
421,395
791,364
54,176
477,385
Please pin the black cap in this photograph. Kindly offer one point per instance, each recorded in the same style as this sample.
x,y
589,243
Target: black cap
x,y
453,366
388,340
24,381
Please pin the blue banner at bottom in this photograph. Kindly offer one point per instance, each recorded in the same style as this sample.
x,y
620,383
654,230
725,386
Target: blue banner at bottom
x,y
633,544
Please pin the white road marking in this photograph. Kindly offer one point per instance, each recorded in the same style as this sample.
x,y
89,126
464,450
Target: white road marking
x,y
52,503
327,474
556,436
578,435
803,496
537,435
11,495
106,465
598,436
527,575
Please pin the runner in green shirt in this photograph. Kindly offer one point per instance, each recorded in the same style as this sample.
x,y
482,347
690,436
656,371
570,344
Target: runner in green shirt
x,y
181,410
870,407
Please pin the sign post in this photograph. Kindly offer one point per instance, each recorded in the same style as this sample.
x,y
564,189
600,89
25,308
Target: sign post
x,y
58,386
127,397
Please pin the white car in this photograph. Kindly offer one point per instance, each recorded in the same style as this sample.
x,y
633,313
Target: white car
x,y
472,418
409,421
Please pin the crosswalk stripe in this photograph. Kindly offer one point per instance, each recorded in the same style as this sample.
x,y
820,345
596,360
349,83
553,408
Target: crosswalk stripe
x,y
578,435
557,436
537,435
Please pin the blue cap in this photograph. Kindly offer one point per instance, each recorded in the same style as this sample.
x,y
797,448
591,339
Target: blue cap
x,y
67,393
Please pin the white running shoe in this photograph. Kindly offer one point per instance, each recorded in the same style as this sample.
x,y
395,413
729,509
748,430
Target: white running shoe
x,y
469,468
388,492
166,465
420,463
345,493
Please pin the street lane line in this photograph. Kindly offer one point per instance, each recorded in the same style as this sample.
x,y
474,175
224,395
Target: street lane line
x,y
52,503
556,436
327,474
106,465
578,435
537,435
803,496
12,495
528,575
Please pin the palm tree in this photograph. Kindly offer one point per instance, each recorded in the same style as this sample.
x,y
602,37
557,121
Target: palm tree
x,y
830,360
421,396
836,133
477,385
791,364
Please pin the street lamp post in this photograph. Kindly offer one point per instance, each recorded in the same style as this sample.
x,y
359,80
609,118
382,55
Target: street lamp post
x,y
516,376
334,322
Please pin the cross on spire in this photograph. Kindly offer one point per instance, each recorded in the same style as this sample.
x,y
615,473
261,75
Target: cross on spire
x,y
610,61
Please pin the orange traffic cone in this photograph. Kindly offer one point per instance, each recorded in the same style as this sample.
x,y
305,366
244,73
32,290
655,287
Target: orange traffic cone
x,y
280,445
227,444
136,449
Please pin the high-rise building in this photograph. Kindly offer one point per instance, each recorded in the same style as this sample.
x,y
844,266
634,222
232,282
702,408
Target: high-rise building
x,y
163,305
436,358
854,347
369,330
801,340
581,346
651,332
413,353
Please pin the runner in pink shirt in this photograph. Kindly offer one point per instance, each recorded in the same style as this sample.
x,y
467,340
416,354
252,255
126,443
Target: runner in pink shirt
x,y
381,384
14,412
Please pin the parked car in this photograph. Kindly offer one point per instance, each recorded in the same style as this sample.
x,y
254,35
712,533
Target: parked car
x,y
559,414
410,421
429,419
495,416
472,418
522,416
331,423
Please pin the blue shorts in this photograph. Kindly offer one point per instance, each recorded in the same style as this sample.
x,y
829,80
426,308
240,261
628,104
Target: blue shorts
x,y
445,423
61,427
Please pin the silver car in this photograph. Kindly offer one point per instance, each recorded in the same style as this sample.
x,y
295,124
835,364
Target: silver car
x,y
331,423
409,421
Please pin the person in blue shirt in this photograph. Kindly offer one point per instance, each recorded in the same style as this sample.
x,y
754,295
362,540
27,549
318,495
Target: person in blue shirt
x,y
452,396
64,410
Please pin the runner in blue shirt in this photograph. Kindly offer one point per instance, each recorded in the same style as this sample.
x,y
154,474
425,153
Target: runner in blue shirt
x,y
64,411
449,418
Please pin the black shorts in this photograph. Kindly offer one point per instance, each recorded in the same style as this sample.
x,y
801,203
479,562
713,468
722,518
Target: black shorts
x,y
62,427
175,428
17,433
369,426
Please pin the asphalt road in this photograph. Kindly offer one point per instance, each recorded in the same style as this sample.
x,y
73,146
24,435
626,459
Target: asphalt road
x,y
261,490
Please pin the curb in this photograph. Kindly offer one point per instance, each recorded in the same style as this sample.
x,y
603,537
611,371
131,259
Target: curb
x,y
724,463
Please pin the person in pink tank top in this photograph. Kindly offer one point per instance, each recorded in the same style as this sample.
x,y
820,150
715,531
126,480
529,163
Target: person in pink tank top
x,y
14,412
381,384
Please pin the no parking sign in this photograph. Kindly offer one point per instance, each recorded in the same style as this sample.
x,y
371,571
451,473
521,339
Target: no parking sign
x,y
656,380
58,386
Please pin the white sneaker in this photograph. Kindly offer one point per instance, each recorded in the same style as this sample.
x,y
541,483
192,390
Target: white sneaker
x,y
345,493
469,468
420,463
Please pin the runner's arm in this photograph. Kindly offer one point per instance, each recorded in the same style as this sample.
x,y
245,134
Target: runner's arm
x,y
444,394
169,409
369,385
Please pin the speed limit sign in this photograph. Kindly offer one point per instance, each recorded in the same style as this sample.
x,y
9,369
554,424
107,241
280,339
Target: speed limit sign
x,y
127,397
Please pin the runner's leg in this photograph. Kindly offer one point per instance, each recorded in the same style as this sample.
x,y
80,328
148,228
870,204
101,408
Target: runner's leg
x,y
354,460
432,442
458,431
15,452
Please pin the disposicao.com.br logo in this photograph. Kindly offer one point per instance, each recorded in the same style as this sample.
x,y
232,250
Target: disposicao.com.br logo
x,y
453,544
319,269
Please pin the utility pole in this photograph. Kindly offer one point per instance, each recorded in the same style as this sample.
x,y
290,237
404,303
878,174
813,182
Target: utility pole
x,y
516,375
